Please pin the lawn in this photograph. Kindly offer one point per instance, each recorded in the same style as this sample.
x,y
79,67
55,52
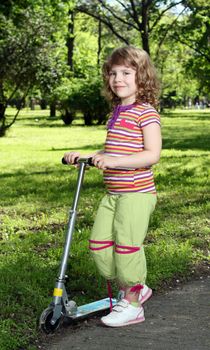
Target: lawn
x,y
36,194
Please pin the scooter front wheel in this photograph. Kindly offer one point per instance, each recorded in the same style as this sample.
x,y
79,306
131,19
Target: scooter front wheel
x,y
45,321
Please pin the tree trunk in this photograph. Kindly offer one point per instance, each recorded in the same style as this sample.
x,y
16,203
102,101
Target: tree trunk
x,y
87,119
99,42
3,125
53,109
2,111
70,40
144,26
145,42
2,119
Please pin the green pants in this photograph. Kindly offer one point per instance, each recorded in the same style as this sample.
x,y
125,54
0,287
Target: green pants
x,y
117,236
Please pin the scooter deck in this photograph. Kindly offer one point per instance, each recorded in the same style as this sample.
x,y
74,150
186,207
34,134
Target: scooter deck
x,y
93,307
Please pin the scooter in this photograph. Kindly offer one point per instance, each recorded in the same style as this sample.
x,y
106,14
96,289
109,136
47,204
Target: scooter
x,y
61,307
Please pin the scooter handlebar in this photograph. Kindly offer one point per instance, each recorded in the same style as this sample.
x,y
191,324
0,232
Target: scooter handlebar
x,y
87,161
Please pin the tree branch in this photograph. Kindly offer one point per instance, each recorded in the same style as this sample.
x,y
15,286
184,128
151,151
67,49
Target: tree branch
x,y
135,15
126,8
164,11
117,17
191,46
105,21
18,110
166,33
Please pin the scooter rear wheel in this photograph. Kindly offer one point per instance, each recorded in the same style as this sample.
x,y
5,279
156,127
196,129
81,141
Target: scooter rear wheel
x,y
45,321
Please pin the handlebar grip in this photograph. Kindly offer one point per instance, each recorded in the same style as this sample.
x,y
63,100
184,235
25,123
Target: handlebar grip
x,y
90,161
63,161
87,161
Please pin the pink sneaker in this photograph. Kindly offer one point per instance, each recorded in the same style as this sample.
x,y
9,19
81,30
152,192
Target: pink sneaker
x,y
145,294
123,314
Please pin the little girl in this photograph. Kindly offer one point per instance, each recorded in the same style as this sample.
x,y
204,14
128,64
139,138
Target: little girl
x,y
132,146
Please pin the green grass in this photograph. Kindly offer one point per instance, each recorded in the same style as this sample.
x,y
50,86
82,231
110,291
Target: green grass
x,y
37,191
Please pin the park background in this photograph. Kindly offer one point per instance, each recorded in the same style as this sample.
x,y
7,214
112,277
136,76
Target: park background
x,y
51,54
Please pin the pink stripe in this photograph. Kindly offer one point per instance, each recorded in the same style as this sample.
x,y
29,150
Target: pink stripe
x,y
125,179
136,289
120,189
143,176
135,112
107,244
118,180
117,191
128,248
109,288
149,122
121,132
149,111
125,144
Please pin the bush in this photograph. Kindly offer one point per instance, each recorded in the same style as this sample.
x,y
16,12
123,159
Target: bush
x,y
82,95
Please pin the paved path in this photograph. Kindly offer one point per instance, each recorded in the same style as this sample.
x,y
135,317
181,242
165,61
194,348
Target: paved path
x,y
175,320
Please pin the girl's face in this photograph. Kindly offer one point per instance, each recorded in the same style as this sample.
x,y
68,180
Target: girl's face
x,y
122,81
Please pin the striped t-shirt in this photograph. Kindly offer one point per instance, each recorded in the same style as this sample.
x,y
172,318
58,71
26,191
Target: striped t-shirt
x,y
124,137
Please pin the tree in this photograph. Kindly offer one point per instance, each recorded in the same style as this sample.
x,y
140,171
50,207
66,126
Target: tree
x,y
123,16
182,53
83,95
70,39
85,56
194,33
29,54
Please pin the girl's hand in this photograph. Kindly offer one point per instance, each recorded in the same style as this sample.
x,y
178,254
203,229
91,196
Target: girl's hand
x,y
103,162
71,156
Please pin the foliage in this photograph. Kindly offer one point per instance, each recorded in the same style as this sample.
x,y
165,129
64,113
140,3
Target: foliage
x,y
194,32
83,95
37,191
85,46
174,32
178,88
185,46
34,51
123,17
194,29
29,54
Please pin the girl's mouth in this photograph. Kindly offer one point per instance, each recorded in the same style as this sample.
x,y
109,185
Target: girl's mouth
x,y
118,87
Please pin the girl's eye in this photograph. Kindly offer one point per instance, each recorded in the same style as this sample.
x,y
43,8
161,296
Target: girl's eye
x,y
111,74
127,73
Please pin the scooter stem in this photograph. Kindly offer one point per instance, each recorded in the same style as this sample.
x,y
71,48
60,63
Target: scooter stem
x,y
71,222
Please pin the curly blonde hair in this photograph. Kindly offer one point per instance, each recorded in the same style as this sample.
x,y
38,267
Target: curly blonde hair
x,y
148,86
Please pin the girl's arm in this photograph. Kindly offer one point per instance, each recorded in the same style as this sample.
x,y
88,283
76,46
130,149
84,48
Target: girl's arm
x,y
149,156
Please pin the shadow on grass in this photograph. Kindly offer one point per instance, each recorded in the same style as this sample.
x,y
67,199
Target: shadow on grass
x,y
86,147
46,186
202,116
56,189
201,142
47,122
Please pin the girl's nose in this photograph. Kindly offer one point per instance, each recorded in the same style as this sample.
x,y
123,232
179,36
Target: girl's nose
x,y
118,77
